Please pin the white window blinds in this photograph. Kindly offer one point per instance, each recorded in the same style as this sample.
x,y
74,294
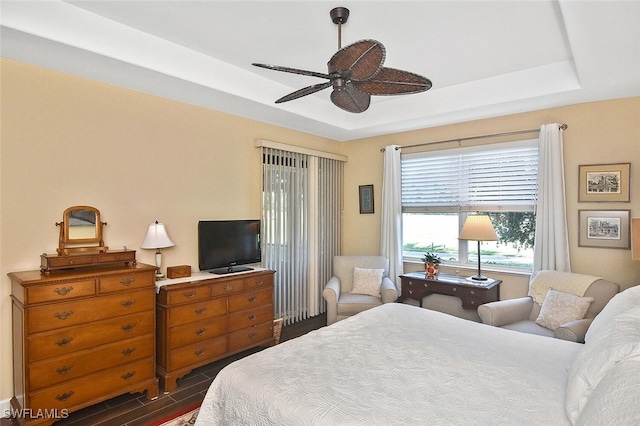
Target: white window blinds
x,y
485,177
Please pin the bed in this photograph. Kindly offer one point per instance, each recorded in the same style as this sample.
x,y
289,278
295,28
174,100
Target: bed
x,y
400,364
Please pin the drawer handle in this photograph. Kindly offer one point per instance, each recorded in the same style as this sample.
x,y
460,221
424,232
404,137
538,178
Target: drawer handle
x,y
228,287
426,285
253,335
128,375
199,352
251,317
63,315
454,289
410,291
63,370
251,299
259,282
200,311
128,351
128,303
127,281
63,291
64,396
64,342
128,327
410,282
189,294
201,331
473,292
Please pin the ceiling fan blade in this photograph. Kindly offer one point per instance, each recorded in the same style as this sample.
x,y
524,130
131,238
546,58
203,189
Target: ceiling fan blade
x,y
358,61
292,70
390,81
304,92
350,99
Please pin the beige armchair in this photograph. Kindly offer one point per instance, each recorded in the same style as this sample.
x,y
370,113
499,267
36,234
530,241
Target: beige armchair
x,y
341,301
521,314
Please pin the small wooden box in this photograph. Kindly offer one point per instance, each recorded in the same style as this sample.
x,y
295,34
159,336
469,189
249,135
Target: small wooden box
x,y
178,271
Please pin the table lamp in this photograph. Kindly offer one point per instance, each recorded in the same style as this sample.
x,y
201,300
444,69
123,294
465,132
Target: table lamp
x,y
478,227
157,238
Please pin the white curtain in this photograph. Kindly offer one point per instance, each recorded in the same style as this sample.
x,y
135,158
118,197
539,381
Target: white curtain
x,y
551,249
391,223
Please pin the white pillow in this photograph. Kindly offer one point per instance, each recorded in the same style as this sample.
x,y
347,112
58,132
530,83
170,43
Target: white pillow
x,y
367,281
621,302
616,341
560,308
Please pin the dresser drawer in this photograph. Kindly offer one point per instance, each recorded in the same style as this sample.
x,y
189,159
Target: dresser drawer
x,y
240,302
69,340
60,369
94,386
244,319
227,287
126,282
176,297
51,317
250,336
121,256
198,311
60,291
59,262
183,335
197,353
261,281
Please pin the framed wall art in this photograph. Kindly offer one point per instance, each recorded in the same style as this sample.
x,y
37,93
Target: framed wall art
x,y
604,182
366,199
604,229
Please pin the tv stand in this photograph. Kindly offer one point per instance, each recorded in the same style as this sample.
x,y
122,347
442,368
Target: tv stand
x,y
230,270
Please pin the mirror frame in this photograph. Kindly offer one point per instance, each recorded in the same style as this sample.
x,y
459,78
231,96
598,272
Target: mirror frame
x,y
68,245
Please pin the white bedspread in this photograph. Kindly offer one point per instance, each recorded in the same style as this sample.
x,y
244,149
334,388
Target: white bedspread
x,y
397,364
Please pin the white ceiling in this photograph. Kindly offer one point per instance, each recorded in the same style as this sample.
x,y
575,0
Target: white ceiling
x,y
485,58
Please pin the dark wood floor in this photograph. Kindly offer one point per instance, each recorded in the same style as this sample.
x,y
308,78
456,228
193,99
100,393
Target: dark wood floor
x,y
136,410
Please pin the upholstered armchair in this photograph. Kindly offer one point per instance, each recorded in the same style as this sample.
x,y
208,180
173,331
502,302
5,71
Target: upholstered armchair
x,y
358,283
560,305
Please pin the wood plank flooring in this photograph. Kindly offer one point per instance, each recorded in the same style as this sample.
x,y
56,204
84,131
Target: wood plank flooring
x,y
136,410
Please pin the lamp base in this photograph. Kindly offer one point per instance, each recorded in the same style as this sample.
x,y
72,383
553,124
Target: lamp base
x,y
159,276
478,278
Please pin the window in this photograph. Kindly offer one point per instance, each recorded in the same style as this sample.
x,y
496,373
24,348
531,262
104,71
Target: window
x,y
439,189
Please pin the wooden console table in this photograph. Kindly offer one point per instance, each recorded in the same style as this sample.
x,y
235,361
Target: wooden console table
x,y
415,285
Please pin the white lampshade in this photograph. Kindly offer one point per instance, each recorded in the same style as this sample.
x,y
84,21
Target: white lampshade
x,y
478,227
157,237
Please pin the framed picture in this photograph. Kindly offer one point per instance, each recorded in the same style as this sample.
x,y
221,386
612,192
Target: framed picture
x,y
366,199
604,182
604,229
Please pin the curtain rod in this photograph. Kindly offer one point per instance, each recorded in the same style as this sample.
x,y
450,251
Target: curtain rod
x,y
519,132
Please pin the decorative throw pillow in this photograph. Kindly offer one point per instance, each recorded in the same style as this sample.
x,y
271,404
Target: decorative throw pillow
x,y
367,281
559,308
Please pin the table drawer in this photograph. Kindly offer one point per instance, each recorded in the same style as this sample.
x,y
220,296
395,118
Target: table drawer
x,y
244,319
72,339
197,353
121,256
94,386
67,314
250,300
126,282
60,369
261,281
196,332
227,287
249,336
60,291
176,297
198,311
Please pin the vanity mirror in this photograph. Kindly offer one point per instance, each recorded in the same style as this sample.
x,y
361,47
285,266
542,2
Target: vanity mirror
x,y
81,243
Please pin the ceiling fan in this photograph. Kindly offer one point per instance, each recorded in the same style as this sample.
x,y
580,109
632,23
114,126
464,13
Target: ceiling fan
x,y
356,73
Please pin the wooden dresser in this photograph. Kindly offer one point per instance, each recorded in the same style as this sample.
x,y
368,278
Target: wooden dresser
x,y
207,317
81,337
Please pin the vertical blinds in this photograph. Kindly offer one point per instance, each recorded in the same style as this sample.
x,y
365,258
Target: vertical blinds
x,y
485,177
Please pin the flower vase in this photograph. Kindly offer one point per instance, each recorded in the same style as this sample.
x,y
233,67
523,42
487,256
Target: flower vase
x,y
432,270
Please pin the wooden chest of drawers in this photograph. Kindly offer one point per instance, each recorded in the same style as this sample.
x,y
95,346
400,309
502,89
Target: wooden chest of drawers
x,y
202,320
82,337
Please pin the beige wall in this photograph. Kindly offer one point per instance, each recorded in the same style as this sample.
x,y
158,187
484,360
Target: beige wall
x,y
137,158
67,141
599,132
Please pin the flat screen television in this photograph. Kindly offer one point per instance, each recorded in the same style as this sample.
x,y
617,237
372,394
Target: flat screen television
x,y
225,245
